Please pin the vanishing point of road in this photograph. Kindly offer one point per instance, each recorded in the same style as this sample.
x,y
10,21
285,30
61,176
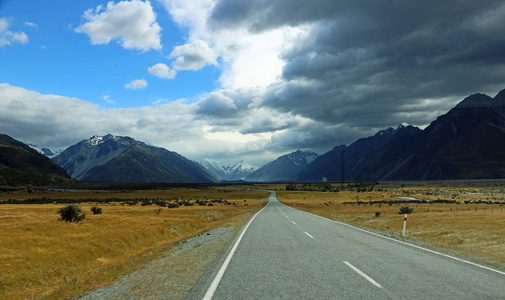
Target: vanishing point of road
x,y
284,253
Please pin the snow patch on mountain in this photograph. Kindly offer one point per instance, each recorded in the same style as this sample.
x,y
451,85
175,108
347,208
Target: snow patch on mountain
x,y
229,171
97,150
46,151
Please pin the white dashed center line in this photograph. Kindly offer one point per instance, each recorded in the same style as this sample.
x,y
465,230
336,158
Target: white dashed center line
x,y
363,274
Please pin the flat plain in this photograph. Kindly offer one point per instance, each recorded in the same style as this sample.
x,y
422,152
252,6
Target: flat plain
x,y
43,258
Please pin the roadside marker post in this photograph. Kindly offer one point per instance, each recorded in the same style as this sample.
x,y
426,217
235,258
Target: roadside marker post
x,y
404,224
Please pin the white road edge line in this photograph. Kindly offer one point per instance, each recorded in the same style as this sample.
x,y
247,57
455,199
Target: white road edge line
x,y
308,234
213,286
405,243
363,274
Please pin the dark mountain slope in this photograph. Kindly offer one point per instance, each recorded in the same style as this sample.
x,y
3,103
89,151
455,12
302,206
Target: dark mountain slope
x,y
22,165
362,160
465,143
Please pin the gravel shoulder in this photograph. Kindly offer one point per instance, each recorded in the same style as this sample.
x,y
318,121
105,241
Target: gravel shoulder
x,y
173,275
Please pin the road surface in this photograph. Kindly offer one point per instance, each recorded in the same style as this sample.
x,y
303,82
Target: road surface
x,y
284,253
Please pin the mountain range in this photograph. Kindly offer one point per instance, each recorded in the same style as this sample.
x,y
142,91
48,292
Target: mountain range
x,y
227,171
283,168
122,159
465,143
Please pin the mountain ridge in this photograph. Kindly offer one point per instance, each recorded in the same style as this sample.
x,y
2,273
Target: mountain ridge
x,y
123,159
464,143
283,168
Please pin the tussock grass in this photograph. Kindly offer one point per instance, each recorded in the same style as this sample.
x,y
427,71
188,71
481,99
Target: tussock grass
x,y
43,258
473,230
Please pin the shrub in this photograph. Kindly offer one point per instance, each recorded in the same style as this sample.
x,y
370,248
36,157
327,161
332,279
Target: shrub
x,y
406,210
157,211
172,205
71,213
96,210
377,213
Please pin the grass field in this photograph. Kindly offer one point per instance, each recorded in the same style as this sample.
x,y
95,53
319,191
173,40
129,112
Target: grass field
x,y
465,227
42,258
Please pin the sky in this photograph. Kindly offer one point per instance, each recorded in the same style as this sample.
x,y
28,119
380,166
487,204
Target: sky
x,y
229,80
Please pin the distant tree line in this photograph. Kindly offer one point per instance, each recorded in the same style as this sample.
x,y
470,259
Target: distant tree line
x,y
313,187
170,203
328,187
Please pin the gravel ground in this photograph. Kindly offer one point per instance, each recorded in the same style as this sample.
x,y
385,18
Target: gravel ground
x,y
173,275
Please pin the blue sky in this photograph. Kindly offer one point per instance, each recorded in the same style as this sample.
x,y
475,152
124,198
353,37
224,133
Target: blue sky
x,y
229,80
62,61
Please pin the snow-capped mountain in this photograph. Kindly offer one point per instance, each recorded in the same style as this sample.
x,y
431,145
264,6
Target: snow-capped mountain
x,y
284,167
46,151
122,159
227,171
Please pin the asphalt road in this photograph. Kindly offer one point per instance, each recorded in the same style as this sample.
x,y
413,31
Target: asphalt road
x,y
284,253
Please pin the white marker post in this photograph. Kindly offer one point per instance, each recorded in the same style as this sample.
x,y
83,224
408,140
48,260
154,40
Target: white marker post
x,y
404,224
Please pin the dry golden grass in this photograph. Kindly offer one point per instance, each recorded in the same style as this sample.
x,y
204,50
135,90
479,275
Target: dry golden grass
x,y
458,228
43,258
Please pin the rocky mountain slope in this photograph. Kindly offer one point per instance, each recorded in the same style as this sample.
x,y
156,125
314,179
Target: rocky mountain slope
x,y
283,168
22,165
123,159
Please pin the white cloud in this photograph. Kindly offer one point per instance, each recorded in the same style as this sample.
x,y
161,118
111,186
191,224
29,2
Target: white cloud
x,y
193,56
136,84
162,71
30,24
8,37
249,59
107,99
192,15
132,23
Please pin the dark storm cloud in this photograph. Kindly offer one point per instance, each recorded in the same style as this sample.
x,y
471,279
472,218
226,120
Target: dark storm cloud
x,y
368,65
375,63
224,104
319,138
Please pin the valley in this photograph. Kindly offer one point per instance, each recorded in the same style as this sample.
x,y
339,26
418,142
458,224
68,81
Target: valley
x,y
42,257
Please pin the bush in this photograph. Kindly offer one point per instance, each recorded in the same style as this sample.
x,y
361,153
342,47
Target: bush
x,y
71,213
96,210
406,210
377,213
158,211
